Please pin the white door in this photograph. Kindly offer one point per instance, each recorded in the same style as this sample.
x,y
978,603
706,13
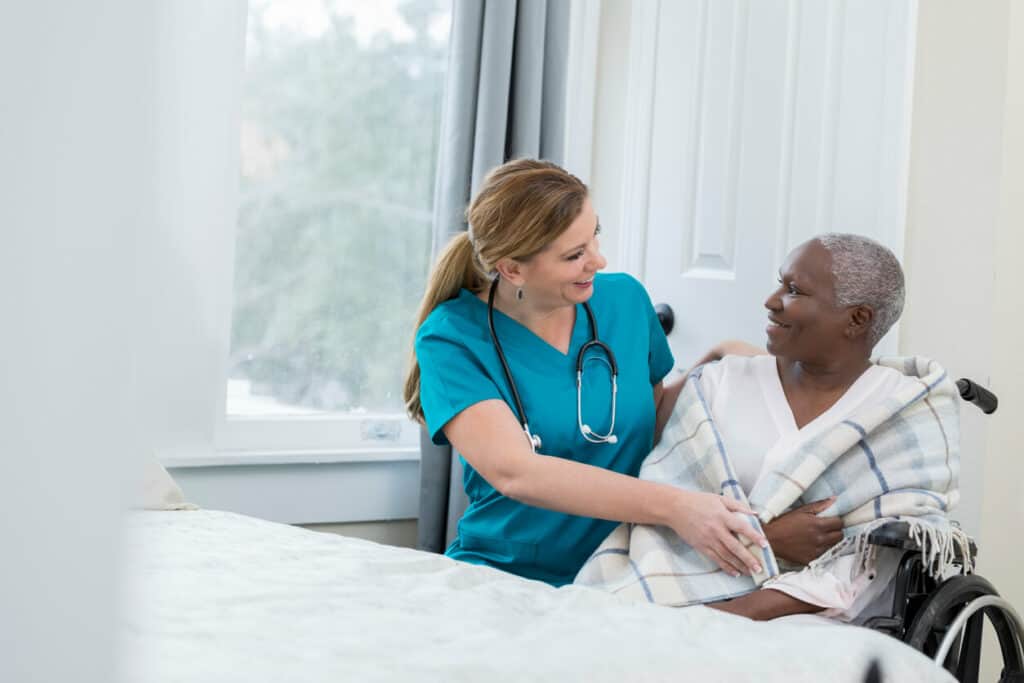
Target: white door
x,y
769,122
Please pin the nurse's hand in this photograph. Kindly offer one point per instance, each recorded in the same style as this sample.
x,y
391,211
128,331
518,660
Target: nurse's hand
x,y
709,524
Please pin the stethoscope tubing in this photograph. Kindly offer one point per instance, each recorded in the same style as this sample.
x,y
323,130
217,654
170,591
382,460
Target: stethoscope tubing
x,y
535,442
594,342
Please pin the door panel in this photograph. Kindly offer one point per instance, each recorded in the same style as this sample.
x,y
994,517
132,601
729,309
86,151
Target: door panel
x,y
771,121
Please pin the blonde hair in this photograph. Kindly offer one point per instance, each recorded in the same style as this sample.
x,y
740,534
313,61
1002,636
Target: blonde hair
x,y
522,207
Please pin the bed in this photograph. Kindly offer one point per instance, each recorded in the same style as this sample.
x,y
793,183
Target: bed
x,y
216,596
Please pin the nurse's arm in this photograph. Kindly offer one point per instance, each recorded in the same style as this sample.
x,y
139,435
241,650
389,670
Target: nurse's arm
x,y
489,437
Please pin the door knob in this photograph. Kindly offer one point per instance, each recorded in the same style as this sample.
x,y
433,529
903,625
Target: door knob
x,y
666,317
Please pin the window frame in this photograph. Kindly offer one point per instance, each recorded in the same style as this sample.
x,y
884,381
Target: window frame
x,y
330,437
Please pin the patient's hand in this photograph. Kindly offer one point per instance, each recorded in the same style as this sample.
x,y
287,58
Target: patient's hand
x,y
801,536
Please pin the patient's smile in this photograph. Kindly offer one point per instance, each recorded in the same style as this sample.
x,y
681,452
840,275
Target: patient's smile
x,y
775,327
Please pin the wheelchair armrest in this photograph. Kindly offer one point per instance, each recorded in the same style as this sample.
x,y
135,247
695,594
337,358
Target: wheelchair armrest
x,y
897,535
893,535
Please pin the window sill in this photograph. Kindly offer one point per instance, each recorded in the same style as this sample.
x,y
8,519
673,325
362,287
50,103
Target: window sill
x,y
294,457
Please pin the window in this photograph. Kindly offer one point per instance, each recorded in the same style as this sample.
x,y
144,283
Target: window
x,y
341,110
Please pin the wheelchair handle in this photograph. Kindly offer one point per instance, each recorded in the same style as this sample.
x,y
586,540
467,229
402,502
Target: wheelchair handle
x,y
978,395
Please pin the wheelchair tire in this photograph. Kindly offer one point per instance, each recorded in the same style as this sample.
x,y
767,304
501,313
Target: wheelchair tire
x,y
940,609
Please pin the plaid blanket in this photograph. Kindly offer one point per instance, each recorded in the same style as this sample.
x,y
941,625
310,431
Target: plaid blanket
x,y
897,459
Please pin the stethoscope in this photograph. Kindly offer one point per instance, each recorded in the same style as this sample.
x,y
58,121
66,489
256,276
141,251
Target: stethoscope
x,y
588,433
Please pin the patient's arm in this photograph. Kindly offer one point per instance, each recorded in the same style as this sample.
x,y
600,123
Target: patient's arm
x,y
766,604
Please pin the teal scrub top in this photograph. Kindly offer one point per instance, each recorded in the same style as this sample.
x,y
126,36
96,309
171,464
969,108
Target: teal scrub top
x,y
459,367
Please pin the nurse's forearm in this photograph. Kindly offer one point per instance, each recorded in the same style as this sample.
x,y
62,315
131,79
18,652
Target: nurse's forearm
x,y
705,521
489,437
580,489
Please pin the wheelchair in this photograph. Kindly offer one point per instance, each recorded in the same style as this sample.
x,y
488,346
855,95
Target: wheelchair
x,y
944,618
941,618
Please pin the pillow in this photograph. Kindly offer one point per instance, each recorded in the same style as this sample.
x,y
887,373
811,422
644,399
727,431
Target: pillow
x,y
159,491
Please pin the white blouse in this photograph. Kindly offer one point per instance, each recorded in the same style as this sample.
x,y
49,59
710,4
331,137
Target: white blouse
x,y
758,429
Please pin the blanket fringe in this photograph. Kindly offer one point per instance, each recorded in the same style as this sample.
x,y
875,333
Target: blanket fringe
x,y
939,547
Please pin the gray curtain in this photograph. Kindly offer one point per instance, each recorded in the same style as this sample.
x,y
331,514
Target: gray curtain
x,y
505,99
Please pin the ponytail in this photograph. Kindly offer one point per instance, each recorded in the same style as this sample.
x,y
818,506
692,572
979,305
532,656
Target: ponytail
x,y
456,268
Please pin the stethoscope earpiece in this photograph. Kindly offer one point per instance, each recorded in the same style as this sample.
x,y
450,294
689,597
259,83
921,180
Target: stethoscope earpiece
x,y
588,433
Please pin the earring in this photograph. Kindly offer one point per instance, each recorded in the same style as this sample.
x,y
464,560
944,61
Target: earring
x,y
519,293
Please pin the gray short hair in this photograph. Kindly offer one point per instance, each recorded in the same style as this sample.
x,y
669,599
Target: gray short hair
x,y
866,273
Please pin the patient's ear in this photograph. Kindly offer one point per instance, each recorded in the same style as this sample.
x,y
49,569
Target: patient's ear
x,y
859,321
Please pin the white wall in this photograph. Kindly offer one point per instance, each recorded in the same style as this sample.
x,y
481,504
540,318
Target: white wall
x,y
953,205
1002,514
307,493
77,193
965,237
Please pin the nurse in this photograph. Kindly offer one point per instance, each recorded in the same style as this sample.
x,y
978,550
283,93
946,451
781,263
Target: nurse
x,y
540,510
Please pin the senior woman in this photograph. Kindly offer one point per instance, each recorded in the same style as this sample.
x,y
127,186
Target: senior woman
x,y
511,308
837,296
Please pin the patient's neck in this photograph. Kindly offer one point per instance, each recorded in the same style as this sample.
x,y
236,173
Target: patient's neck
x,y
813,388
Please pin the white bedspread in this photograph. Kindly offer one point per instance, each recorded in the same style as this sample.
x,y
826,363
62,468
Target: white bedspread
x,y
215,596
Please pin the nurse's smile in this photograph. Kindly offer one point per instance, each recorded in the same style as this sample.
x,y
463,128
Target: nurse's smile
x,y
586,284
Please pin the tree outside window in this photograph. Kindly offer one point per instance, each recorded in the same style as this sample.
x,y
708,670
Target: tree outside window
x,y
340,121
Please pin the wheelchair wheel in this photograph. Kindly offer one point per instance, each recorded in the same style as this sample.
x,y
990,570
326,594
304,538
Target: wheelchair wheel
x,y
938,614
